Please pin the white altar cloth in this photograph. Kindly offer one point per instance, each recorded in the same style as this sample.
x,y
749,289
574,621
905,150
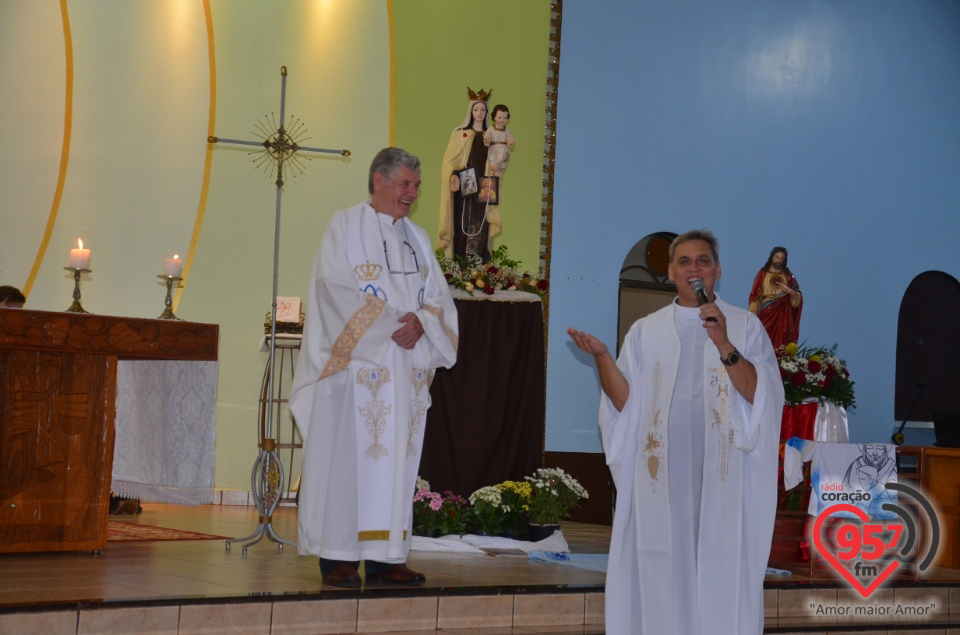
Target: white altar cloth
x,y
165,431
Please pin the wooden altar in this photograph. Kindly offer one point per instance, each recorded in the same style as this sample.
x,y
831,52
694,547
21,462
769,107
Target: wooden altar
x,y
58,378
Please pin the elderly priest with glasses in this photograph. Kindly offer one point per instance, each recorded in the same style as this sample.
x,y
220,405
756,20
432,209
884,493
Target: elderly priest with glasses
x,y
379,320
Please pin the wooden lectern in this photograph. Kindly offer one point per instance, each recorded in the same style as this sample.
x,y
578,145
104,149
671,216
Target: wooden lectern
x,y
58,384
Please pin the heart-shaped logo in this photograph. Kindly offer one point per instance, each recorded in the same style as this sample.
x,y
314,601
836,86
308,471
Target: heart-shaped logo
x,y
824,550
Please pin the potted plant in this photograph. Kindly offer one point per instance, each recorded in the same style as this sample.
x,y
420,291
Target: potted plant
x,y
426,505
515,502
452,513
435,515
487,511
553,495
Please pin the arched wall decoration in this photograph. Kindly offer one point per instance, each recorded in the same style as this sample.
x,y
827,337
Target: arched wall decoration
x,y
644,286
645,265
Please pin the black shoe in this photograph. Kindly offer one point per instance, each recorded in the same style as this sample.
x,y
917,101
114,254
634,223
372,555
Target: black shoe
x,y
345,576
398,574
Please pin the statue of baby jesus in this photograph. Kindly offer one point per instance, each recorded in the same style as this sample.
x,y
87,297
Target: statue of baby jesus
x,y
500,141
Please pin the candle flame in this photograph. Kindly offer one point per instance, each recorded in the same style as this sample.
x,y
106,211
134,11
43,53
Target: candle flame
x,y
176,256
79,243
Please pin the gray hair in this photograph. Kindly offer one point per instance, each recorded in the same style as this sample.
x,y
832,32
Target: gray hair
x,y
697,234
388,160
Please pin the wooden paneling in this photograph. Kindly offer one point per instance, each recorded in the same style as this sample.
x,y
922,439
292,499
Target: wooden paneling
x,y
58,384
56,440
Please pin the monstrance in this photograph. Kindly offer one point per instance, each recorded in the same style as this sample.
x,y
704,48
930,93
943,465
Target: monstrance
x,y
280,148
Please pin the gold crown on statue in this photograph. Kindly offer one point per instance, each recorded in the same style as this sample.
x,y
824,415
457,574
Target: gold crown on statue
x,y
480,95
368,271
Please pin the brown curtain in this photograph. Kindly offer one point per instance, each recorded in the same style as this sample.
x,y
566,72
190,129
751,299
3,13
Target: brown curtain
x,y
487,419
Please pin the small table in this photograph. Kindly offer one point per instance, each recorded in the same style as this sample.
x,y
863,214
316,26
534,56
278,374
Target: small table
x,y
285,432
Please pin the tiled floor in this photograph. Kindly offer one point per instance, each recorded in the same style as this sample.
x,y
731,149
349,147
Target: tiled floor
x,y
200,587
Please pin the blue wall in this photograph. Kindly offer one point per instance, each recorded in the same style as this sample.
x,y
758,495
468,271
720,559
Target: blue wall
x,y
832,128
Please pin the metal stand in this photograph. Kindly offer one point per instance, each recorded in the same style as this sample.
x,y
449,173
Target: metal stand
x,y
288,441
267,478
168,302
75,307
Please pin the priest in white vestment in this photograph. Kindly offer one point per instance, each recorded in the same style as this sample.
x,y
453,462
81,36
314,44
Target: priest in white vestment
x,y
690,422
379,320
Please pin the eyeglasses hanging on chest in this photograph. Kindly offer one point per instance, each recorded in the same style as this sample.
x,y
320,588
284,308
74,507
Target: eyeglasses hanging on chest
x,y
405,261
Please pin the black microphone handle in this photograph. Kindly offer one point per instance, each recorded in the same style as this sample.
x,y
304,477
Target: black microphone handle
x,y
701,300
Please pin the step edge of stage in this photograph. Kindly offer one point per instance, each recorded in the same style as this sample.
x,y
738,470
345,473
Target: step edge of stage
x,y
300,596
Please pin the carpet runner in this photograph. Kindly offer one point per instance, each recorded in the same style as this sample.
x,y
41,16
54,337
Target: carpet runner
x,y
118,531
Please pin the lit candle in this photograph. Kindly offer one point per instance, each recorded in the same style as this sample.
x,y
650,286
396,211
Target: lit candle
x,y
173,267
80,257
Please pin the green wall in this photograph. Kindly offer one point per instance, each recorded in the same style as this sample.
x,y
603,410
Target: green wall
x,y
108,106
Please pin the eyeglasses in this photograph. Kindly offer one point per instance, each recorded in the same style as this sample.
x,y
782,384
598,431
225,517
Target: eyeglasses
x,y
416,263
704,262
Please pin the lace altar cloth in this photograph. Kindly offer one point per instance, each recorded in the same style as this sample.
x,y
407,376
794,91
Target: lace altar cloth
x,y
165,431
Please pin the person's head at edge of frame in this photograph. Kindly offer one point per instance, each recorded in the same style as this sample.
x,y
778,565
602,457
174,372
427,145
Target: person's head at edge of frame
x,y
394,182
694,254
11,298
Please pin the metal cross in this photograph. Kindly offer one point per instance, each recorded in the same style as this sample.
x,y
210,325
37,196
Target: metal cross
x,y
280,148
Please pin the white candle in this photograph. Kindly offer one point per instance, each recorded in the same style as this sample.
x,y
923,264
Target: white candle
x,y
173,266
80,257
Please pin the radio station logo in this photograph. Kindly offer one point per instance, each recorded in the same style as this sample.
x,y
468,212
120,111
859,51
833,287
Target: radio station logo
x,y
866,552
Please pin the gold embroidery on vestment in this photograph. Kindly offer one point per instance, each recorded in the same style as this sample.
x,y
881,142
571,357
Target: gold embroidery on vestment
x,y
368,272
375,414
654,444
718,380
417,413
420,379
373,378
358,324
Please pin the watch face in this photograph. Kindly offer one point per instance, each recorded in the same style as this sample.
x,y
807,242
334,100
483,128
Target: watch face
x,y
732,358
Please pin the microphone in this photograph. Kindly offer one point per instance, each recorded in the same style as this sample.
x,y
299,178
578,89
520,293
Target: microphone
x,y
898,437
701,292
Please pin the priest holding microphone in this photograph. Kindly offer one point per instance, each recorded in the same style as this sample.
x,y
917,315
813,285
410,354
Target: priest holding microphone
x,y
690,421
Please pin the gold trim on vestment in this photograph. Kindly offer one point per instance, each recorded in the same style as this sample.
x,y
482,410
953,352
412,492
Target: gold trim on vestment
x,y
718,380
653,447
437,311
358,324
379,534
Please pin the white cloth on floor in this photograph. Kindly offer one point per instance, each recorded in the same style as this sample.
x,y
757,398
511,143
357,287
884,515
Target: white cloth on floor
x,y
471,543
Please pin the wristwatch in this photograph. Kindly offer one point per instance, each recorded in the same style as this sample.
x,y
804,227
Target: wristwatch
x,y
732,358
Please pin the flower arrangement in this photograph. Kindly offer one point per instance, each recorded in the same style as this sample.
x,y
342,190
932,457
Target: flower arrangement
x,y
435,515
501,273
554,494
488,510
809,371
515,498
498,510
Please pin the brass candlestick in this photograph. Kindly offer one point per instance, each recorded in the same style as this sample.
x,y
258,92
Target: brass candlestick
x,y
168,302
76,307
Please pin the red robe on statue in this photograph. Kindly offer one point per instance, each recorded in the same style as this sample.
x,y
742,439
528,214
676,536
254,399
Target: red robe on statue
x,y
775,309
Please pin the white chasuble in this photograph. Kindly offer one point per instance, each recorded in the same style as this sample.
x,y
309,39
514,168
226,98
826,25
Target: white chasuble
x,y
360,400
695,467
